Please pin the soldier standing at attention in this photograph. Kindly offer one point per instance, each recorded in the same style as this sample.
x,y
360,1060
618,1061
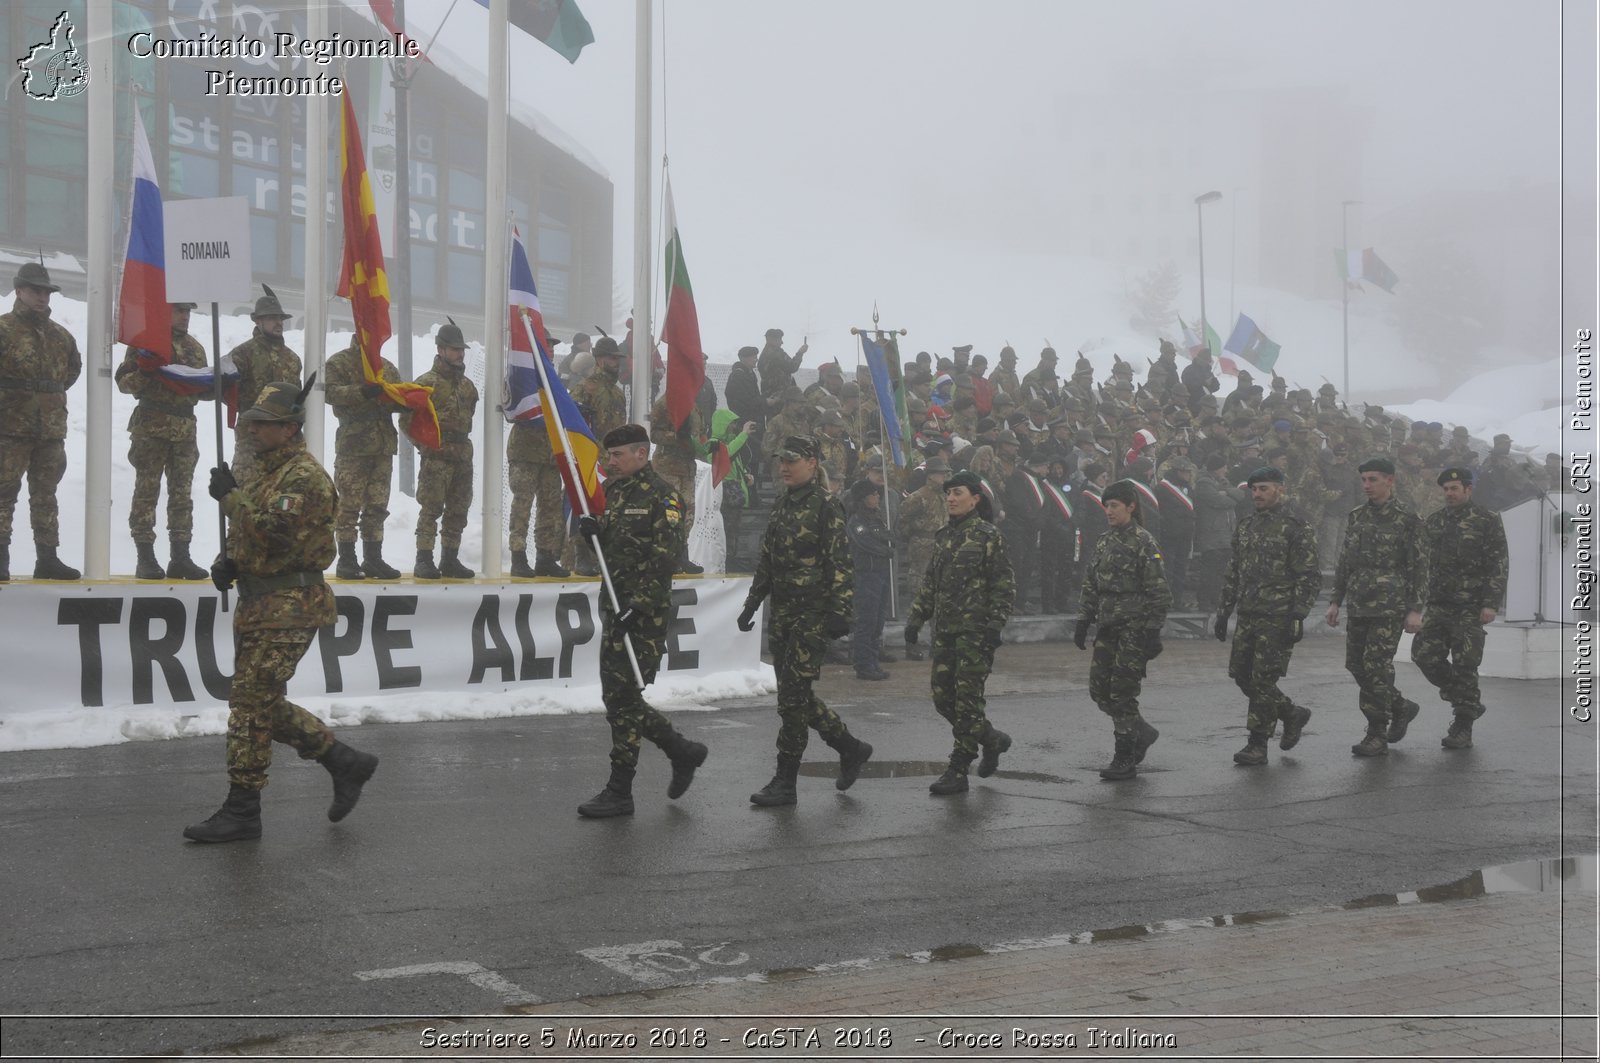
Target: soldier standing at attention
x,y
163,444
39,361
1125,591
1273,579
675,462
1466,588
603,403
444,481
280,538
968,593
922,514
805,567
1383,574
363,462
260,360
640,532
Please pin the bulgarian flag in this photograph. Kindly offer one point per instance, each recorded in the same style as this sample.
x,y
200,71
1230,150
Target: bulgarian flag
x,y
686,361
1365,265
558,23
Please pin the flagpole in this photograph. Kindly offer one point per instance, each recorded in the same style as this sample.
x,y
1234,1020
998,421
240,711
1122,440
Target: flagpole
x,y
1344,240
400,68
496,291
100,295
547,403
643,338
316,239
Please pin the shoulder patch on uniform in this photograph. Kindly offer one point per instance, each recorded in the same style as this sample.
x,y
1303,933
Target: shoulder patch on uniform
x,y
674,510
288,503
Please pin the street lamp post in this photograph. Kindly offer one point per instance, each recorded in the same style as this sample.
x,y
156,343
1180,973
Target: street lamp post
x,y
1344,248
1199,203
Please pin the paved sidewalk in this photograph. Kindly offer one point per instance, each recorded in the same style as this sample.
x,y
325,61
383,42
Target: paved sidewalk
x,y
1486,978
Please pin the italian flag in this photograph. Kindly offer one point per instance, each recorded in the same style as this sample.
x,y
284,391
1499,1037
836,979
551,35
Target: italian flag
x,y
686,363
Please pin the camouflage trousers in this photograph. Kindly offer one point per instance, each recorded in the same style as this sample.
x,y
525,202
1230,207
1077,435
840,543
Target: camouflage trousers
x,y
151,460
44,463
961,665
259,713
919,553
798,645
363,484
1259,658
1449,649
536,490
444,490
1116,673
630,716
1369,656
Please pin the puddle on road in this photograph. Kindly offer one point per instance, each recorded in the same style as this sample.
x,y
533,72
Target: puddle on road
x,y
904,769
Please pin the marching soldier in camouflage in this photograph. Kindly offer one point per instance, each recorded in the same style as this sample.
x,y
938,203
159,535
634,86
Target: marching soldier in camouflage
x,y
444,481
1126,594
967,592
363,463
640,532
163,443
1383,575
675,463
1466,589
280,538
805,568
1273,579
922,515
39,361
260,360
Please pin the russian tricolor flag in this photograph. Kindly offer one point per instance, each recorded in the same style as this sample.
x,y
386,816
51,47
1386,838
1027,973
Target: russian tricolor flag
x,y
144,319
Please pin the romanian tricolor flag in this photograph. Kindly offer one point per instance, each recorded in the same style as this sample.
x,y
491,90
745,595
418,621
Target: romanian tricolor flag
x,y
534,391
364,282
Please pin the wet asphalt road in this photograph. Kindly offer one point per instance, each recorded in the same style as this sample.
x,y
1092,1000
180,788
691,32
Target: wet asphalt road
x,y
465,882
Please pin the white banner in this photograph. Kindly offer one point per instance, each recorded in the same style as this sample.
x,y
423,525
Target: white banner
x,y
71,646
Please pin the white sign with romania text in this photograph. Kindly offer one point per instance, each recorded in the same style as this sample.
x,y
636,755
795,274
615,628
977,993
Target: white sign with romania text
x,y
208,250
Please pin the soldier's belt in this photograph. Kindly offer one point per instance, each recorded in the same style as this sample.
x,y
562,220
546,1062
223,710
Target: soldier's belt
x,y
256,586
455,437
362,416
47,387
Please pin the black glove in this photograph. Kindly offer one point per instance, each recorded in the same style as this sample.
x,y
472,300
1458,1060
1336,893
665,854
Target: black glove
x,y
1297,629
1152,644
1080,634
991,642
371,391
589,526
836,627
223,573
222,482
913,632
747,618
1220,628
626,618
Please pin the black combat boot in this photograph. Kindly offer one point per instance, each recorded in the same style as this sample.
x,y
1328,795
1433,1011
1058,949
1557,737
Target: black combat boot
x,y
686,756
1293,724
1123,765
1402,720
994,743
349,567
49,566
147,567
1254,751
520,568
5,562
1373,745
239,819
450,566
372,562
182,566
1144,736
780,791
350,769
914,652
425,568
548,565
954,779
685,566
853,753
615,800
1460,736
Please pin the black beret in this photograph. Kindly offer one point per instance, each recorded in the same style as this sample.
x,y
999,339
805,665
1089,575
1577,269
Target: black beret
x,y
748,352
628,435
797,448
1383,465
1122,491
965,478
1456,476
1266,474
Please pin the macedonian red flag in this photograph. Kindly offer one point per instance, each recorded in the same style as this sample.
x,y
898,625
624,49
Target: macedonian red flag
x,y
364,282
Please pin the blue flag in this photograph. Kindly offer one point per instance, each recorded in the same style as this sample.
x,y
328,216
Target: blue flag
x,y
878,364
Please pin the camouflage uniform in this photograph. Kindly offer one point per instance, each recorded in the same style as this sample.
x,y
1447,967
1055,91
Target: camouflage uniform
x,y
921,517
39,361
280,534
163,443
805,567
777,369
674,454
363,448
1466,574
444,482
1383,575
967,593
1126,594
260,360
1004,378
534,477
1273,580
